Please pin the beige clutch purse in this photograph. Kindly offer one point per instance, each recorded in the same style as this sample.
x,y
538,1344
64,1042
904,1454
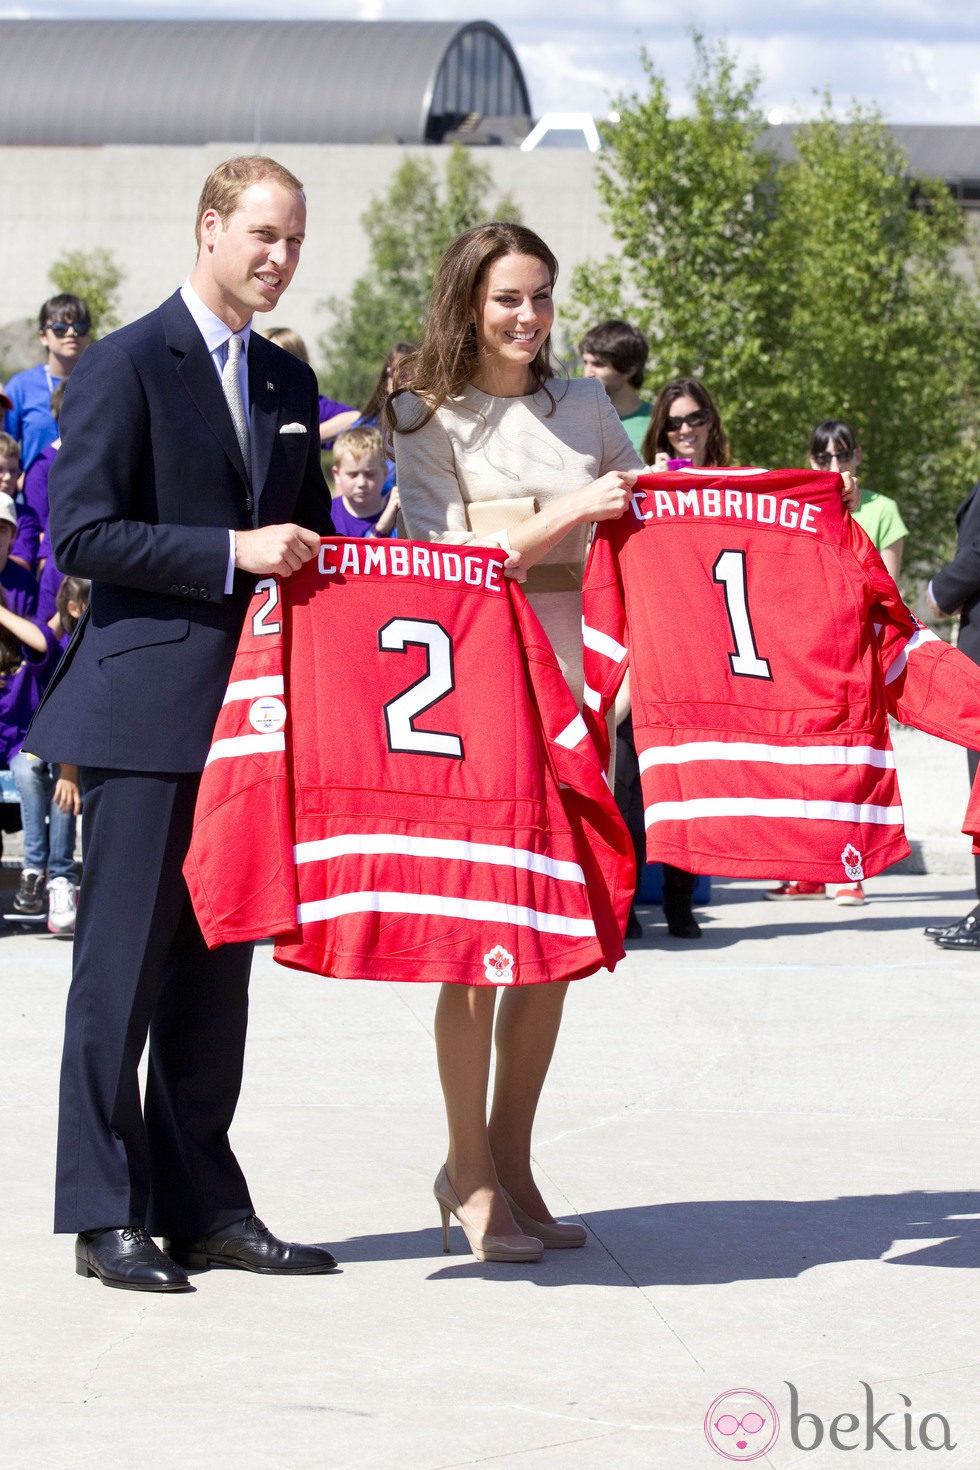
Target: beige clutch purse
x,y
487,516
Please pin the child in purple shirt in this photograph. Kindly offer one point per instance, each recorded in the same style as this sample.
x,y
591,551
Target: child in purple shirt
x,y
49,795
359,507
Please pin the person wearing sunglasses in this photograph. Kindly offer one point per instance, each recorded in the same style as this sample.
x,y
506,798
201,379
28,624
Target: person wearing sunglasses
x,y
834,446
65,330
685,429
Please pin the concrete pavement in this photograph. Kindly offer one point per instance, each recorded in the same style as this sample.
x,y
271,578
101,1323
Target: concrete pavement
x,y
772,1136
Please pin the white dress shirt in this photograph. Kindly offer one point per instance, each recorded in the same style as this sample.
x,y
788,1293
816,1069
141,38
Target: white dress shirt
x,y
216,334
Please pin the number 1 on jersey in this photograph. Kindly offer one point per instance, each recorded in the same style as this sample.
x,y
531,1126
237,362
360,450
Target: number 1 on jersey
x,y
729,570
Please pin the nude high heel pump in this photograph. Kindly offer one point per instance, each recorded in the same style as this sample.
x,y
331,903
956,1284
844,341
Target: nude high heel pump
x,y
484,1247
556,1236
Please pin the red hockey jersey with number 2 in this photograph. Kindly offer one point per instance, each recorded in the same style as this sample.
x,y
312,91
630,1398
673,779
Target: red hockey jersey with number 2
x,y
400,785
767,646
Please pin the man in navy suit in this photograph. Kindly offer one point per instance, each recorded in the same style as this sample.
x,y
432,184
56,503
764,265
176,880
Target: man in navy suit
x,y
173,514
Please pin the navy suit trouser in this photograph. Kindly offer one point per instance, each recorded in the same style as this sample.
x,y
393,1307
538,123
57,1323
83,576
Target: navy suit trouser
x,y
142,971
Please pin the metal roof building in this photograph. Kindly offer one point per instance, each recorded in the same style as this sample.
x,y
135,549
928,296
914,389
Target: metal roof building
x,y
171,82
946,151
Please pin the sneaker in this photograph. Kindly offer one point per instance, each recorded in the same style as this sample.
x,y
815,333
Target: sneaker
x,y
802,889
850,896
29,900
61,906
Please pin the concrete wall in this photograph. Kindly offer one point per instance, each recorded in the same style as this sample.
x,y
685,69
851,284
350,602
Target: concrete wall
x,y
140,203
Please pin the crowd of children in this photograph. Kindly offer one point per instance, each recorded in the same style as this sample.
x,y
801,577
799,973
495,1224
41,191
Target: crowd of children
x,y
39,610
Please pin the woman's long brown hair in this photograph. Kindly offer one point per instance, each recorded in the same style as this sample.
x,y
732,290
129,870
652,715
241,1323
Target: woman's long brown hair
x,y
449,354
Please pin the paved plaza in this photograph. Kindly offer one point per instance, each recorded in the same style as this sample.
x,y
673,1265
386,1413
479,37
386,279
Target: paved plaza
x,y
772,1136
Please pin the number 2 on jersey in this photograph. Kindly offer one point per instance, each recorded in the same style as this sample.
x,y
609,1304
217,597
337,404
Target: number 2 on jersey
x,y
729,570
437,681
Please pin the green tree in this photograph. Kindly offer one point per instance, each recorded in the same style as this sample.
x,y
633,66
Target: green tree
x,y
408,229
880,324
691,199
828,285
95,277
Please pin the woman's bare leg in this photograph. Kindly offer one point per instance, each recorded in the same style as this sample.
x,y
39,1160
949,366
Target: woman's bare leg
x,y
464,1032
527,1029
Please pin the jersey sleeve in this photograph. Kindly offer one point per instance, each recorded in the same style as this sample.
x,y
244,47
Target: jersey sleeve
x,y
928,684
605,848
604,635
239,867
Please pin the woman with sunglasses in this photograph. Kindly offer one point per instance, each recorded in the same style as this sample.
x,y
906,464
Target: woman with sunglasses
x,y
685,429
65,331
685,426
834,446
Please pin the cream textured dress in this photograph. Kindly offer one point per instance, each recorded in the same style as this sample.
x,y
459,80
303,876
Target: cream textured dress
x,y
478,447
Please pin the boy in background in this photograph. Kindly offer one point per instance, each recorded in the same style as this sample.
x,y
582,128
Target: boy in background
x,y
616,352
359,507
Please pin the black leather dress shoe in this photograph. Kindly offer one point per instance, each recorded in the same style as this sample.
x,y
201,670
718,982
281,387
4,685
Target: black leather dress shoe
x,y
964,935
251,1246
126,1257
933,931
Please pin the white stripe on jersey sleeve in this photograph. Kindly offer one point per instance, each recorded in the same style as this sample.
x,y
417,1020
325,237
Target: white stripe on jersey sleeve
x,y
777,755
920,636
237,745
600,642
430,904
752,806
402,845
573,734
253,688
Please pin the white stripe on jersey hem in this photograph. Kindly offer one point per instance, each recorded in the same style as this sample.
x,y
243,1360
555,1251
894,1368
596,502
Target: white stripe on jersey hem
x,y
253,688
751,806
237,745
591,698
572,734
777,755
600,642
431,904
401,845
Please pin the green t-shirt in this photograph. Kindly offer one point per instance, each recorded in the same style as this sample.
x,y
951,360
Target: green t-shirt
x,y
636,425
881,518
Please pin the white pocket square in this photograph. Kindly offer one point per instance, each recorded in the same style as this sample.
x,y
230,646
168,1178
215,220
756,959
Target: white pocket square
x,y
294,429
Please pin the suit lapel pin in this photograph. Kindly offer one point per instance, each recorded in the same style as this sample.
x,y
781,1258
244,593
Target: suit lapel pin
x,y
270,387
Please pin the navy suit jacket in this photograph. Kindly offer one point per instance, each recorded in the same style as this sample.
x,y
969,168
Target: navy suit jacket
x,y
957,584
143,492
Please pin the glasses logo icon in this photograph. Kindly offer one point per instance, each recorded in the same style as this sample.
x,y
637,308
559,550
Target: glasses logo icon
x,y
741,1425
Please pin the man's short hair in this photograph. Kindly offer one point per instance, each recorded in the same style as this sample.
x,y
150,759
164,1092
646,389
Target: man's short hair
x,y
618,343
63,308
362,442
9,448
226,184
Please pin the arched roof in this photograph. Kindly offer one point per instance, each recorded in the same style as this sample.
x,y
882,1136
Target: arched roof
x,y
90,82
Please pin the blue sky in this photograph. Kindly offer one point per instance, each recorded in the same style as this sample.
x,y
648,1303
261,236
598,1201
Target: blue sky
x,y
917,60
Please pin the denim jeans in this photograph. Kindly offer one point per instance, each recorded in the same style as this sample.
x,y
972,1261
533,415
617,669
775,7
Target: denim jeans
x,y
49,834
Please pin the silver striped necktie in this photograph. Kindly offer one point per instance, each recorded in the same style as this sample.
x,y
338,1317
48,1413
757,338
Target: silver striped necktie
x,y
233,395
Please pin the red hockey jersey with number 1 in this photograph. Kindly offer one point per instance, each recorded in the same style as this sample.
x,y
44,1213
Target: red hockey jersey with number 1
x,y
400,785
767,646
